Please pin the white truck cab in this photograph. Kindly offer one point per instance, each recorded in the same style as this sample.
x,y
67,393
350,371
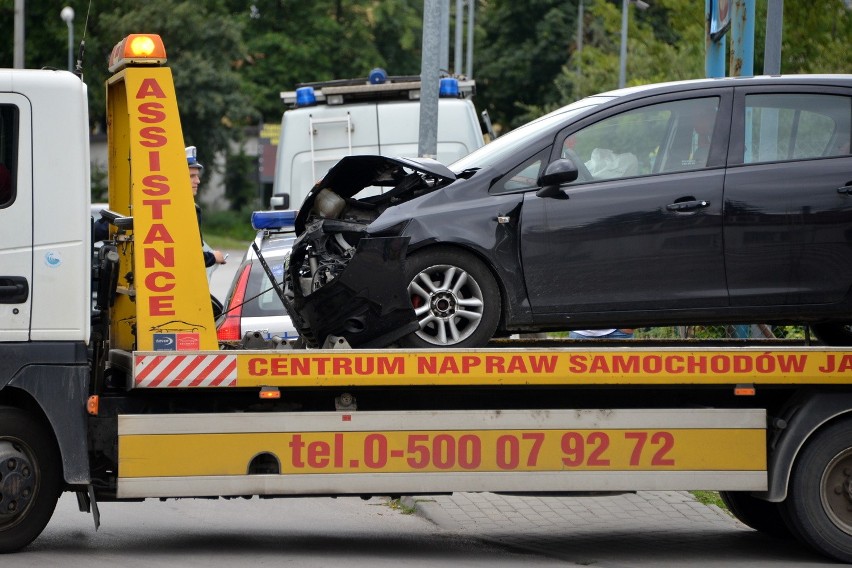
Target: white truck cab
x,y
44,209
380,115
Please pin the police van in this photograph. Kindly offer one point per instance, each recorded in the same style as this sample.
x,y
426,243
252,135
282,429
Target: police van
x,y
329,120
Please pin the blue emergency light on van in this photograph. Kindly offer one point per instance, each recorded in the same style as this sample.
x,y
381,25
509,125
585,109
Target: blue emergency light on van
x,y
378,76
449,87
284,220
305,96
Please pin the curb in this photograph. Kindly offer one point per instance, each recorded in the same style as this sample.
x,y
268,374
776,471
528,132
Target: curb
x,y
425,506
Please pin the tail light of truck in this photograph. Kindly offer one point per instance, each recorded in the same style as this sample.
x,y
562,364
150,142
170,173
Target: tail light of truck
x,y
231,330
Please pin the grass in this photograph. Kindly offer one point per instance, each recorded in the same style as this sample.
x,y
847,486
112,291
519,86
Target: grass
x,y
709,498
226,242
227,227
398,505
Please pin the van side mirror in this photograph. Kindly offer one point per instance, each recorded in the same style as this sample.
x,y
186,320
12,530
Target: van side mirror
x,y
557,173
279,201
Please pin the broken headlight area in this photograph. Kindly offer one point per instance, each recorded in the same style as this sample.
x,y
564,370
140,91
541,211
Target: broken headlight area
x,y
341,280
355,292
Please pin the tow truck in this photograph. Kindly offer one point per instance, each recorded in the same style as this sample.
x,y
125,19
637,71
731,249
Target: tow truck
x,y
113,385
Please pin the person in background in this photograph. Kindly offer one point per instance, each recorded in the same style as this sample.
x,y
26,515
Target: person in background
x,y
211,257
601,334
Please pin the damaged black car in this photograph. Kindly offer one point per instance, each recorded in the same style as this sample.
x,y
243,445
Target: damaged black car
x,y
697,202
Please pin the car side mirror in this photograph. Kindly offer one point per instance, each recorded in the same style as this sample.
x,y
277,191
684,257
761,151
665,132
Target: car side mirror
x,y
559,172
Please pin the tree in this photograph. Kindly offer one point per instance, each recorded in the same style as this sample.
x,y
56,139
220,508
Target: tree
x,y
46,37
202,41
816,37
521,49
666,43
668,46
290,43
202,46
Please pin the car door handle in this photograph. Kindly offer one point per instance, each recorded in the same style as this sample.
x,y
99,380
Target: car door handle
x,y
687,205
13,290
847,189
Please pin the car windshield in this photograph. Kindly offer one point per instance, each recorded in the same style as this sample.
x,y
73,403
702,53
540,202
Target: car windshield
x,y
514,141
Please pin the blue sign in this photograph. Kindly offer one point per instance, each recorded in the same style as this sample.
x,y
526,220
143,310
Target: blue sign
x,y
164,342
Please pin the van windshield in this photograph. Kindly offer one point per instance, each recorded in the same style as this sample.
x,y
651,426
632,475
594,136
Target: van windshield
x,y
521,137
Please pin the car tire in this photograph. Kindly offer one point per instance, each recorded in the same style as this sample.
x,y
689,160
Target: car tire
x,y
455,298
833,333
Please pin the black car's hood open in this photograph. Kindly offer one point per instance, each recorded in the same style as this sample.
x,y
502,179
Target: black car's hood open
x,y
354,173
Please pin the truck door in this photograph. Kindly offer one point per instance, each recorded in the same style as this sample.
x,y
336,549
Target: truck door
x,y
16,217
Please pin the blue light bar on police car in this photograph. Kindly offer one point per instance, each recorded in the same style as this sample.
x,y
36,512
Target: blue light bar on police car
x,y
284,220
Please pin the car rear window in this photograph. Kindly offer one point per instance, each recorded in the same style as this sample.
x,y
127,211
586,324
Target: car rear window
x,y
262,300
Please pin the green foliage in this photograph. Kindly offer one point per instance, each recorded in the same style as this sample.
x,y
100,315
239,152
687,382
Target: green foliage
x,y
241,180
202,43
297,42
233,225
649,59
46,39
402,507
99,183
709,498
522,49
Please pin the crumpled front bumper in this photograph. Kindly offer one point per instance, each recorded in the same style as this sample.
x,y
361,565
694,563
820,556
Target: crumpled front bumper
x,y
367,303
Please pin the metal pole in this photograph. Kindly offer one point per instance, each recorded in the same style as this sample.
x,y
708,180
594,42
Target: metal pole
x,y
18,55
457,66
71,46
471,5
579,35
742,40
429,74
445,35
774,29
67,15
622,59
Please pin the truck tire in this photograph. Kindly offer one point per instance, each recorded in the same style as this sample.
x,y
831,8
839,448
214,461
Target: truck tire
x,y
30,478
819,498
833,333
762,516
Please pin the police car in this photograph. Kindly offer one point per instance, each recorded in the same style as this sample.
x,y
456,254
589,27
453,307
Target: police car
x,y
252,303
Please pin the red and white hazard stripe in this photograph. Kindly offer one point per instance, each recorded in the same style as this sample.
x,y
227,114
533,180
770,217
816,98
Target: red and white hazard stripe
x,y
185,371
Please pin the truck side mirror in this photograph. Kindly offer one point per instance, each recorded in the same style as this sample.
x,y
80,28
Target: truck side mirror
x,y
559,172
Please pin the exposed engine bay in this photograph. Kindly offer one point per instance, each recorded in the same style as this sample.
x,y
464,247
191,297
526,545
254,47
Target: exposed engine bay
x,y
337,268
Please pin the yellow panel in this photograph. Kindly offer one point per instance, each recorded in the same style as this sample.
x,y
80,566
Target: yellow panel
x,y
703,449
123,314
634,365
149,180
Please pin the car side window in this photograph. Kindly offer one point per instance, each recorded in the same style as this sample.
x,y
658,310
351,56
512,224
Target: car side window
x,y
521,177
784,127
8,154
665,137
